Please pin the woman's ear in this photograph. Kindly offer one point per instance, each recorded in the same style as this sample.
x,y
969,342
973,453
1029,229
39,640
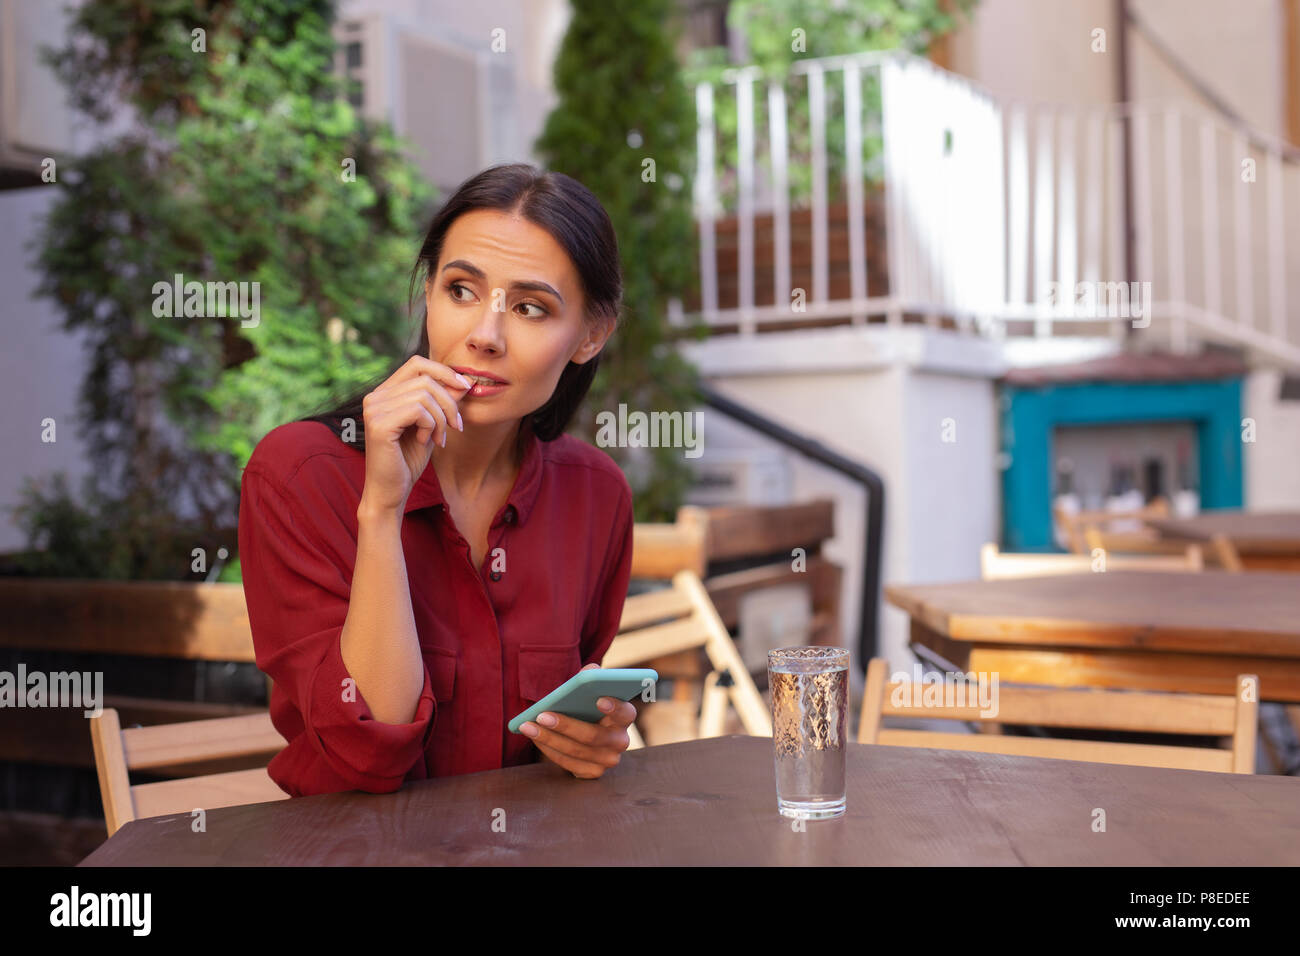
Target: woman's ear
x,y
597,334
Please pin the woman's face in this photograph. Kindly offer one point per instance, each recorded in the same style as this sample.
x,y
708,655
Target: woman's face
x,y
506,300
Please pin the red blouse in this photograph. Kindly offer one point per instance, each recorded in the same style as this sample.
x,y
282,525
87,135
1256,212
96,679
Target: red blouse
x,y
493,641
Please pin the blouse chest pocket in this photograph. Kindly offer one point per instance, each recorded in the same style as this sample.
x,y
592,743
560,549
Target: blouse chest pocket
x,y
544,667
442,671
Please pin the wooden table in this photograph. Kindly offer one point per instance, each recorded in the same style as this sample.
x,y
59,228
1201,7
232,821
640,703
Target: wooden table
x,y
1129,629
1266,540
711,802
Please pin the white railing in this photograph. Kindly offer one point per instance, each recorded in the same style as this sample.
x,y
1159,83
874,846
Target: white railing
x,y
997,213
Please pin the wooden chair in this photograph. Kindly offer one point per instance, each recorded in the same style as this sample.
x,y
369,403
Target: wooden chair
x,y
1198,714
995,564
1226,552
699,696
681,617
1076,525
1222,550
119,751
661,550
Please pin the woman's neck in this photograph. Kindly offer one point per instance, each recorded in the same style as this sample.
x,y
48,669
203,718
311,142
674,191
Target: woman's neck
x,y
479,457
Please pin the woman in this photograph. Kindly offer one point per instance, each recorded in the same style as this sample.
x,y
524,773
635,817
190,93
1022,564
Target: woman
x,y
434,555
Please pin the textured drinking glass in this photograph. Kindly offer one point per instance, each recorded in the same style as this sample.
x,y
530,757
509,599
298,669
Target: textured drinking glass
x,y
810,704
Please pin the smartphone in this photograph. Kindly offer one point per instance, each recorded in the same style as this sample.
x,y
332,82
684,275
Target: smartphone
x,y
577,696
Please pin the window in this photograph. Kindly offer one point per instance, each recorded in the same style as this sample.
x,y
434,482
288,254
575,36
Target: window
x,y
349,61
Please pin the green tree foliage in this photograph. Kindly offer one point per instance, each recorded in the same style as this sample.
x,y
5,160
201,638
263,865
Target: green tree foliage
x,y
234,172
622,103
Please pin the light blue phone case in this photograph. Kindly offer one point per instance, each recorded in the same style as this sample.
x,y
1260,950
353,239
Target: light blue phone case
x,y
577,696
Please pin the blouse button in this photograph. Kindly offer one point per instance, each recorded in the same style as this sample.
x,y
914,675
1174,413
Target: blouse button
x,y
496,575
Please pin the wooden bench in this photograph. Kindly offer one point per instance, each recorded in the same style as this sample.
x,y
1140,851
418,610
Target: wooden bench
x,y
161,619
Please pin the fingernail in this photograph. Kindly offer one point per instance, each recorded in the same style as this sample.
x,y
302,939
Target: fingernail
x,y
529,730
443,443
460,422
547,720
463,380
605,704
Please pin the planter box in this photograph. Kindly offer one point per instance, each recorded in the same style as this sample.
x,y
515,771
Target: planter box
x,y
726,232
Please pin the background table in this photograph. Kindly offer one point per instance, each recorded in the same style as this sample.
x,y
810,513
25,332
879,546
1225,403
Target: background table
x,y
1265,540
1189,632
712,802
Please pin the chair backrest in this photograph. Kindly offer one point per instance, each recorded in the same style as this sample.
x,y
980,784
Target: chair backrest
x,y
1221,550
682,617
1076,524
119,751
995,564
661,550
1235,717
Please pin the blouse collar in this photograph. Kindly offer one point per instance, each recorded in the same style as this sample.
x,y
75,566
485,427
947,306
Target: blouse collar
x,y
427,492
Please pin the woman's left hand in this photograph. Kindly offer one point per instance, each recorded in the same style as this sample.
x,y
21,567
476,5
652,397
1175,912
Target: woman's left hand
x,y
585,750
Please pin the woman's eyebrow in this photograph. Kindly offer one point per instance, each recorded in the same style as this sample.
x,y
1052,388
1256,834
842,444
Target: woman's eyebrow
x,y
533,285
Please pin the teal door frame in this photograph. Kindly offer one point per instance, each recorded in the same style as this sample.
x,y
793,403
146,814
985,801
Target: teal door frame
x,y
1029,416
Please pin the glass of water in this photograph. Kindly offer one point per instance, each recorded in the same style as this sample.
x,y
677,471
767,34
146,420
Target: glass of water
x,y
810,704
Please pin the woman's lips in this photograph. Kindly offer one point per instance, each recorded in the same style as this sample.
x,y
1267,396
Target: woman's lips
x,y
479,390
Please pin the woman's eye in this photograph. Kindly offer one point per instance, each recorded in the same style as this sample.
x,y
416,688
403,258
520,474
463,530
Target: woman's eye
x,y
454,287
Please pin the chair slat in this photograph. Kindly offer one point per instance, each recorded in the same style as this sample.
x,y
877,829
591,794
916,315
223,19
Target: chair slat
x,y
642,609
207,792
1233,717
635,647
194,740
110,765
1211,715
1140,755
996,565
659,550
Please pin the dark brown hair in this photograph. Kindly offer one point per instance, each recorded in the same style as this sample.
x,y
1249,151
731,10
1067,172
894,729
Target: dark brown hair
x,y
575,218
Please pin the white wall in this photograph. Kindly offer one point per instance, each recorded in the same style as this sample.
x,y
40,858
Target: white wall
x,y
41,367
1272,462
1037,51
1236,48
1041,51
442,121
879,397
951,487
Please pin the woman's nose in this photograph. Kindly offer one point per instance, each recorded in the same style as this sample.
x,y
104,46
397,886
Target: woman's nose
x,y
487,332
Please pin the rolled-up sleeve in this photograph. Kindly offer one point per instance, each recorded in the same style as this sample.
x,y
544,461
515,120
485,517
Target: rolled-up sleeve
x,y
297,584
607,609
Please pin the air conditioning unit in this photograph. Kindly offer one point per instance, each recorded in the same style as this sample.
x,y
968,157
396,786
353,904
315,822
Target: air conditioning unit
x,y
740,476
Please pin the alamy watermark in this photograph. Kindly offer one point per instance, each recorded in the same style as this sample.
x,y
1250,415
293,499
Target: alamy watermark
x,y
75,908
56,689
952,689
656,430
195,299
1101,300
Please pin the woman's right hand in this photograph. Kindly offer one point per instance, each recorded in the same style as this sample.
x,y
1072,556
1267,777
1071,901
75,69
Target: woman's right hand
x,y
404,416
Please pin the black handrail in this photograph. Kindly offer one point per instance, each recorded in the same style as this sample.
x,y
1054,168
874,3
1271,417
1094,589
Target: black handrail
x,y
872,482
